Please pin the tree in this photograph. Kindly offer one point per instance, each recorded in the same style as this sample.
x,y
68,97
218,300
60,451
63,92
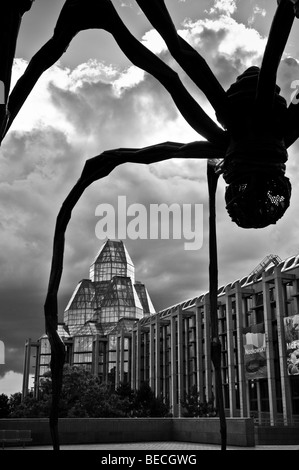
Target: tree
x,y
31,407
14,401
4,406
84,396
194,407
80,396
147,405
127,398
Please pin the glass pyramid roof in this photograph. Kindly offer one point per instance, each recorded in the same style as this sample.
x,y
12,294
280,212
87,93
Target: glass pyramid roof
x,y
111,292
112,259
144,298
83,296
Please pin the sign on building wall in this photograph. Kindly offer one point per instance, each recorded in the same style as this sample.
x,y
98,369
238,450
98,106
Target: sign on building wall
x,y
291,330
254,341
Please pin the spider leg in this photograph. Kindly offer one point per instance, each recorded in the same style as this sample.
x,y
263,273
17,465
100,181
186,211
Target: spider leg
x,y
95,169
296,7
47,56
213,177
10,21
85,14
145,59
291,123
279,32
187,57
154,153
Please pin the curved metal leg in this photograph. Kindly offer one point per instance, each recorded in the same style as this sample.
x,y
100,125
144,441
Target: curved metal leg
x,y
95,169
76,16
188,58
10,21
278,36
213,177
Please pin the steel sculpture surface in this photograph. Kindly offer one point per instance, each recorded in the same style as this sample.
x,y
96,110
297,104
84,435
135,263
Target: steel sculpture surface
x,y
256,129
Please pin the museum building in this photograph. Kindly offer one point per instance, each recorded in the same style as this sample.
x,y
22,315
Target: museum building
x,y
111,327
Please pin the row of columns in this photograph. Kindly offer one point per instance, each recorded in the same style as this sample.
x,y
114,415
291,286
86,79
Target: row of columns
x,y
168,357
31,348
278,281
154,331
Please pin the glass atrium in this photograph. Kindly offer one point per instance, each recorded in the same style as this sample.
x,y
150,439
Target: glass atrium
x,y
95,312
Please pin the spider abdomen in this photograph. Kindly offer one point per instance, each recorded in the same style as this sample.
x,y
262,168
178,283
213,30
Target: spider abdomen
x,y
258,192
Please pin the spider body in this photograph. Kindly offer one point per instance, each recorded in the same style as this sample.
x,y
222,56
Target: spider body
x,y
258,192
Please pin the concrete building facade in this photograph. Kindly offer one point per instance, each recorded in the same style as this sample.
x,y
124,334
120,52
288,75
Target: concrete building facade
x,y
113,330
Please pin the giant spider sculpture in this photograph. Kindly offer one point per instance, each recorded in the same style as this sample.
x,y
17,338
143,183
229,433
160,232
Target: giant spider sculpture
x,y
249,148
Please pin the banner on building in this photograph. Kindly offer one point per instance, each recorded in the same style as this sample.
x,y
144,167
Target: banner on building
x,y
291,331
254,341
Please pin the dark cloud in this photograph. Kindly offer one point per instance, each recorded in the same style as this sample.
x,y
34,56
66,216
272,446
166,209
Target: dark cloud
x,y
37,166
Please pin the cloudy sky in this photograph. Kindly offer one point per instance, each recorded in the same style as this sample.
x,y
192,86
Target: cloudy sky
x,y
92,100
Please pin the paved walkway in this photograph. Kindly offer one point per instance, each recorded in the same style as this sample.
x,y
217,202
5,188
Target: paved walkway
x,y
155,446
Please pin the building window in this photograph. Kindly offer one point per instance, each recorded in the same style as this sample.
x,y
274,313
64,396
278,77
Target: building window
x,y
83,350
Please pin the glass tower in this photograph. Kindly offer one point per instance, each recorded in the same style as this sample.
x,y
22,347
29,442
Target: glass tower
x,y
100,308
